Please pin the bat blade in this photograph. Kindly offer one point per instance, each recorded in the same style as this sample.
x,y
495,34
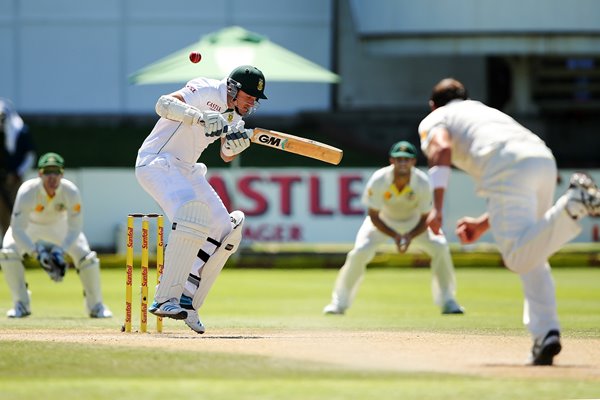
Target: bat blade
x,y
297,145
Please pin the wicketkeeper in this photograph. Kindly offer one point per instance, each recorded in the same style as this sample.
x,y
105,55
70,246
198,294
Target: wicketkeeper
x,y
46,224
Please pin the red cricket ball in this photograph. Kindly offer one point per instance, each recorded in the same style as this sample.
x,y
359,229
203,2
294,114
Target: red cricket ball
x,y
195,57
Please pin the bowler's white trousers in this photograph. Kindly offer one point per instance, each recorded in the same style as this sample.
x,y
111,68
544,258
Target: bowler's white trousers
x,y
528,229
368,239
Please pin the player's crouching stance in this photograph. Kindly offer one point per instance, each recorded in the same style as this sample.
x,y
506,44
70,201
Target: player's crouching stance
x,y
399,199
46,224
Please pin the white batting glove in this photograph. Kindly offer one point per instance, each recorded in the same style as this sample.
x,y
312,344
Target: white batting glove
x,y
213,123
236,141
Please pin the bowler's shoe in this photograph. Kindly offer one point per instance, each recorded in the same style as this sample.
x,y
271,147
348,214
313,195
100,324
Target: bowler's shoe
x,y
545,349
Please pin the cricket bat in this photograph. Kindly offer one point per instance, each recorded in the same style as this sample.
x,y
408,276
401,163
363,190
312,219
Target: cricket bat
x,y
297,145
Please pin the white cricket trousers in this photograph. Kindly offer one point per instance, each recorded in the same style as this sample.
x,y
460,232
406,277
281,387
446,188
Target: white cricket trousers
x,y
528,230
368,239
53,233
172,183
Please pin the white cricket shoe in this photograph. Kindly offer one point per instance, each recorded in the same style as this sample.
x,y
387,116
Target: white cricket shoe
x,y
583,196
333,309
100,311
193,321
20,311
452,307
169,309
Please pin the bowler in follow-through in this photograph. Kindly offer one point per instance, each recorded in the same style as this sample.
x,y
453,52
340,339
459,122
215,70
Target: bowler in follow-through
x,y
516,173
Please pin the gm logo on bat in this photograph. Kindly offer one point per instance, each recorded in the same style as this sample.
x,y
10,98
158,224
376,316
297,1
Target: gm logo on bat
x,y
272,141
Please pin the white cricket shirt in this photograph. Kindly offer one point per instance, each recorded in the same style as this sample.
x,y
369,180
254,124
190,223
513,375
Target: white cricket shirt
x,y
406,206
483,139
33,207
187,142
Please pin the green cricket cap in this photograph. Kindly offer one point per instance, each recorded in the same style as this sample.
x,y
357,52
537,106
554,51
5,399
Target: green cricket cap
x,y
51,160
403,149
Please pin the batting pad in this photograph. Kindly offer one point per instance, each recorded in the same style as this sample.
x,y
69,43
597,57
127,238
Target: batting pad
x,y
217,261
14,273
189,233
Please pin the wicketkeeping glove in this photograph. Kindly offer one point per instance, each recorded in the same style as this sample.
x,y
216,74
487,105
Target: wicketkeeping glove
x,y
402,243
236,141
53,262
213,123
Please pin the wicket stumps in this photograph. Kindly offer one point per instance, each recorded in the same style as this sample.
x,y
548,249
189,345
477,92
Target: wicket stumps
x,y
160,259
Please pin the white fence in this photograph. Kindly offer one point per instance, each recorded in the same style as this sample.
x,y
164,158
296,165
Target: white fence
x,y
281,205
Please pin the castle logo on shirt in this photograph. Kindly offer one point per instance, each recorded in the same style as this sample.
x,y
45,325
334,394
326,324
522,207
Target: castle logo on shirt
x,y
213,106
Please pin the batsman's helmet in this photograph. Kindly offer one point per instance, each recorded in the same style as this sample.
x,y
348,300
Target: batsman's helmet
x,y
247,78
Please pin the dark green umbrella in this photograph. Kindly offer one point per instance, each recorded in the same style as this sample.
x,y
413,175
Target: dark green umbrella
x,y
226,49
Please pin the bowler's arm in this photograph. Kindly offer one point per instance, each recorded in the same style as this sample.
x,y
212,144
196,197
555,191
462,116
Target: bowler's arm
x,y
439,156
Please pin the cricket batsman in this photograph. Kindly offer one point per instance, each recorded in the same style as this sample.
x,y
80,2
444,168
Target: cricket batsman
x,y
204,234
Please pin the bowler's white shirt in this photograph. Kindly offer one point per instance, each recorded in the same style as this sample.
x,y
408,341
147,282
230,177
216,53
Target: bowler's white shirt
x,y
483,139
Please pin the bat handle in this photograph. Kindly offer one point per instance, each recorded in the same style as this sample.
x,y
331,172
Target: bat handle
x,y
250,132
225,130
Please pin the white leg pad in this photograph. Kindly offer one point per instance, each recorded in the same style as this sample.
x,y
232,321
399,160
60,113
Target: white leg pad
x,y
89,274
216,262
14,273
188,235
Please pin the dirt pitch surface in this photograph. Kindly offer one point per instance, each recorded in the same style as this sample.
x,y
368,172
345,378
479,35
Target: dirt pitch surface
x,y
482,355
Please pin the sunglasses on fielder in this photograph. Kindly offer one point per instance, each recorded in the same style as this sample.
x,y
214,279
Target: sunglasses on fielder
x,y
52,171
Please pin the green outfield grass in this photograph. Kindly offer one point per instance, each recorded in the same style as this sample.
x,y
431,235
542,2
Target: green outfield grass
x,y
287,300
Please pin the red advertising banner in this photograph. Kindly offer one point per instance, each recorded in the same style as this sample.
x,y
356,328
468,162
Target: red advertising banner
x,y
293,205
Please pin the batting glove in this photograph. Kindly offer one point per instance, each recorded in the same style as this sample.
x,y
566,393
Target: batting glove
x,y
236,141
213,123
